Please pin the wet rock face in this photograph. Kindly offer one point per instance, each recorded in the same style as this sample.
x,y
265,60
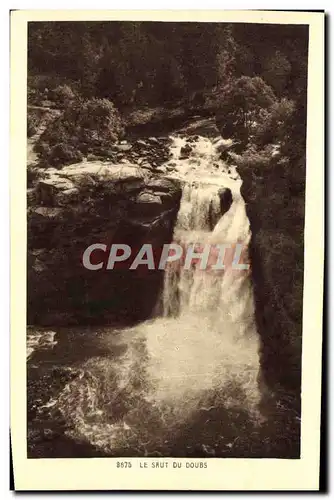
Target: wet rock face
x,y
89,203
185,152
226,198
276,214
150,151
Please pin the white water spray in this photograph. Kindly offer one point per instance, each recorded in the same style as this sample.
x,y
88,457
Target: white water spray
x,y
203,351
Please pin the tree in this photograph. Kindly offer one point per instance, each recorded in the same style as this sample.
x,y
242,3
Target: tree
x,y
278,142
242,102
84,127
276,71
63,95
152,63
273,124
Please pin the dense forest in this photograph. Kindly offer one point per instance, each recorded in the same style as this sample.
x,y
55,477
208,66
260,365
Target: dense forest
x,y
252,77
156,63
116,92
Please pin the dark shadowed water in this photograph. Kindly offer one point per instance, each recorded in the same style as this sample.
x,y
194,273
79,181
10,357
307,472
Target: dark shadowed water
x,y
186,384
78,406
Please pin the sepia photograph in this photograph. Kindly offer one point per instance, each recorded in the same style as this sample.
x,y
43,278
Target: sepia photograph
x,y
165,239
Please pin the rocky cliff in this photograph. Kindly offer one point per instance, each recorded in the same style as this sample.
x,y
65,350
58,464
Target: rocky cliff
x,y
88,203
275,208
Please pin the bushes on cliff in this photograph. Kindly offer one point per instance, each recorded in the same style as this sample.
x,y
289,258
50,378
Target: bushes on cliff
x,y
63,95
32,175
254,159
268,144
273,171
51,90
32,124
64,154
138,63
273,123
83,127
243,102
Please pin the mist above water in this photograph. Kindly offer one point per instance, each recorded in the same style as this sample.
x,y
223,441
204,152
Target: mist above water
x,y
203,349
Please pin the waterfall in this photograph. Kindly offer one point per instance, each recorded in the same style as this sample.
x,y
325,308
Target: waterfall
x,y
208,315
208,321
200,291
201,353
222,297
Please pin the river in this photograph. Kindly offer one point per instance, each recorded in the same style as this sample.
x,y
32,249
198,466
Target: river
x,y
185,383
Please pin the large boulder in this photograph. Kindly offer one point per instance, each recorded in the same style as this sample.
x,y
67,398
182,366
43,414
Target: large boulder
x,y
148,198
102,170
226,198
74,183
185,152
88,203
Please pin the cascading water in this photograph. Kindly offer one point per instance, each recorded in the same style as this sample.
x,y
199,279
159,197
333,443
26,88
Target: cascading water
x,y
213,328
201,354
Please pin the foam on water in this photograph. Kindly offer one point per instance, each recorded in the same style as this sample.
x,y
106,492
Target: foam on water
x,y
203,350
39,340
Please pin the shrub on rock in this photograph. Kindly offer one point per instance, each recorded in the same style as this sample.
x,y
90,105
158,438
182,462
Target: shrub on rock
x,y
64,154
242,102
63,95
32,125
83,127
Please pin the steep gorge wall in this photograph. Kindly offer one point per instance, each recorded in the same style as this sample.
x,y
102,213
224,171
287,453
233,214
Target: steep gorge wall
x,y
275,208
89,203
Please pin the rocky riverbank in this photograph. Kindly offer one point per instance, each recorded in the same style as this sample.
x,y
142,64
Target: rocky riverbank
x,y
103,201
94,202
133,196
130,195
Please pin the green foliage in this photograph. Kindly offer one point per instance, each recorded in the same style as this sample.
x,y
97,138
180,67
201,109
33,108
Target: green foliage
x,y
83,127
32,124
276,71
254,77
254,159
63,95
52,91
152,63
32,175
273,122
64,154
37,89
42,149
242,104
277,147
269,50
